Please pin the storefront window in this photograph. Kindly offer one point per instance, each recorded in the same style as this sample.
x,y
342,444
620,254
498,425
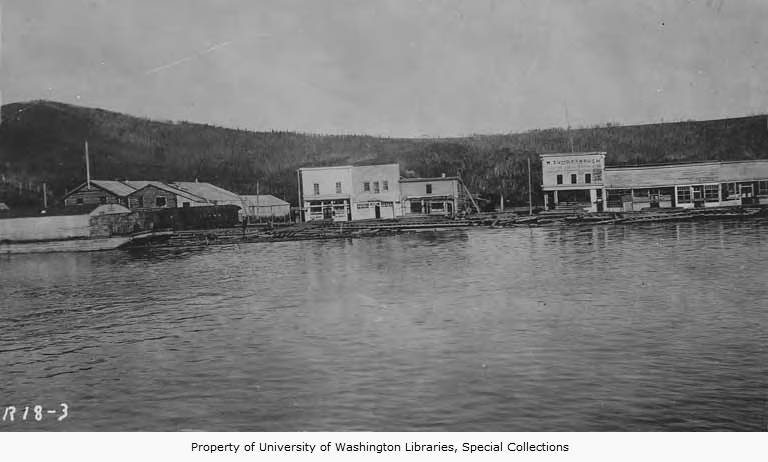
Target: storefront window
x,y
711,193
762,187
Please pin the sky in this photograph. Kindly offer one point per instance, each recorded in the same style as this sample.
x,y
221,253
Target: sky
x,y
399,68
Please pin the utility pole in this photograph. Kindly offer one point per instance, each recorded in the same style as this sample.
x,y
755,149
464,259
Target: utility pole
x,y
301,199
568,122
530,192
45,196
87,167
1,60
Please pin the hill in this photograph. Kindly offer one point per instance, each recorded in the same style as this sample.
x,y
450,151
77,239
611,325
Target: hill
x,y
43,141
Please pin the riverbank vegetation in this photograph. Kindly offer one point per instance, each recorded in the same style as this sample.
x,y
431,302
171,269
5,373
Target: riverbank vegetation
x,y
42,141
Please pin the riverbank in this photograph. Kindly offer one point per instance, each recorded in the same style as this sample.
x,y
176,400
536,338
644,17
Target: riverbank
x,y
319,230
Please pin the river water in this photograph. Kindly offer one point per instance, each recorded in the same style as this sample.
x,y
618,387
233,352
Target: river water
x,y
642,328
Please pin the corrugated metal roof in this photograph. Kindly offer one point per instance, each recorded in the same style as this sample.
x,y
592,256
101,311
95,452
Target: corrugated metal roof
x,y
206,191
264,200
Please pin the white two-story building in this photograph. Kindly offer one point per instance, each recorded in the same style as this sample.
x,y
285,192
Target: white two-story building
x,y
573,180
345,193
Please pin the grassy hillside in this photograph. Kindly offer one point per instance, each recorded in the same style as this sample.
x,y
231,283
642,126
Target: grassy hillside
x,y
43,141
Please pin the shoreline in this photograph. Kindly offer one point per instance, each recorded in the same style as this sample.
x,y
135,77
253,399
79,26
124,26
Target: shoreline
x,y
321,230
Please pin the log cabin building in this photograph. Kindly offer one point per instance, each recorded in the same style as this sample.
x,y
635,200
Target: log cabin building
x,y
150,195
157,195
99,192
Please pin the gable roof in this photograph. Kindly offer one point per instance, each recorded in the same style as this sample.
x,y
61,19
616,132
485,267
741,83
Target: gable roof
x,y
4,207
118,188
139,185
206,191
264,200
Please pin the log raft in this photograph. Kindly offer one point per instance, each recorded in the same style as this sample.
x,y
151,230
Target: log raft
x,y
319,230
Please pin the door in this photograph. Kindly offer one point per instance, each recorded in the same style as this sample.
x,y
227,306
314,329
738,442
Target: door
x,y
698,196
450,208
746,194
377,211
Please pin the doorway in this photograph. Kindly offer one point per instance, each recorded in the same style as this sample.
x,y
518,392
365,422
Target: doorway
x,y
747,193
377,211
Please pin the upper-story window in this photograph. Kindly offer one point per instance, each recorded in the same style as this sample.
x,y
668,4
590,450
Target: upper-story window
x,y
376,187
385,185
366,187
587,178
429,189
160,201
338,187
573,178
559,179
317,189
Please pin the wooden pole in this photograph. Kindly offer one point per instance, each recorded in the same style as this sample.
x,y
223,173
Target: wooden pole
x,y
568,123
530,192
301,199
87,167
1,59
45,196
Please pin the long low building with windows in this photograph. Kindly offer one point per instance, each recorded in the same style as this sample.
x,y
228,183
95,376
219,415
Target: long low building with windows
x,y
580,182
694,185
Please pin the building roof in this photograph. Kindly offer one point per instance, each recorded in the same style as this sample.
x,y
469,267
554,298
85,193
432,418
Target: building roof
x,y
325,168
391,164
439,178
206,191
264,200
4,207
561,154
118,188
683,174
165,187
